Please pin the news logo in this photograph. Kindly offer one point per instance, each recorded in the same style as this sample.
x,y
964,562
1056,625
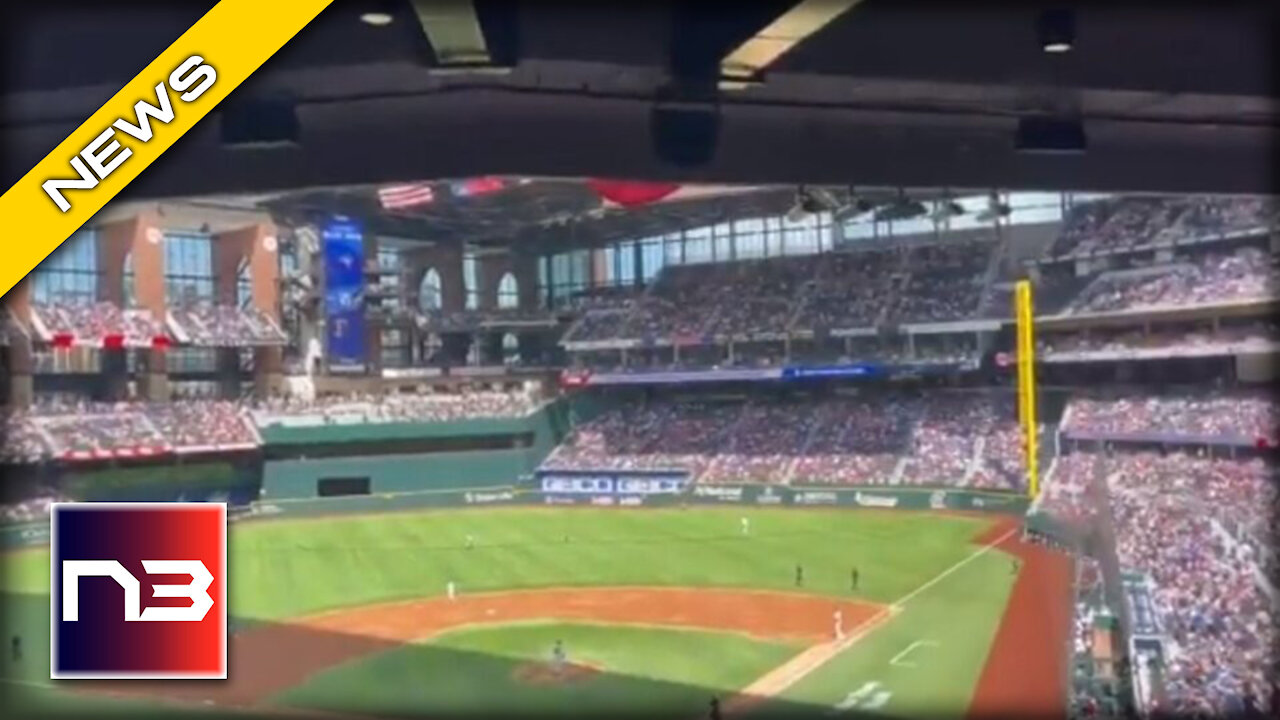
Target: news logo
x,y
138,591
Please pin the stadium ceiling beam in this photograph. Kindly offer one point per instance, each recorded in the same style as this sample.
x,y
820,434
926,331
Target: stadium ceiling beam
x,y
453,29
745,65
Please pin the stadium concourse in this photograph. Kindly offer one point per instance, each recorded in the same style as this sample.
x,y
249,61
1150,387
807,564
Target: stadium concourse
x,y
730,351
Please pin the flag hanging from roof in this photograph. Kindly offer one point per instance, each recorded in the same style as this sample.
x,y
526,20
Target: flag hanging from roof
x,y
627,193
396,197
477,186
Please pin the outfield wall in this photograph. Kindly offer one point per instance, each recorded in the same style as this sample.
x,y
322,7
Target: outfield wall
x,y
757,495
30,534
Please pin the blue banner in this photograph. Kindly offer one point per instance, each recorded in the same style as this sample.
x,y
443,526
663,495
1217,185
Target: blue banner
x,y
344,294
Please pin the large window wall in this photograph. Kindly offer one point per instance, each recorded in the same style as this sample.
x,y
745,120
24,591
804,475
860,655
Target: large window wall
x,y
632,262
70,274
188,267
188,278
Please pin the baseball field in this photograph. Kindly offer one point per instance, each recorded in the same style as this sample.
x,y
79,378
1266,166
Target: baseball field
x,y
656,611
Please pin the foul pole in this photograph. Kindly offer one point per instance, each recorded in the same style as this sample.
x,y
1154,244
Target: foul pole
x,y
1027,384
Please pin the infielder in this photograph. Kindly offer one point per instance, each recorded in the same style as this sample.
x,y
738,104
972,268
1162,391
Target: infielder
x,y
838,618
451,590
557,657
746,526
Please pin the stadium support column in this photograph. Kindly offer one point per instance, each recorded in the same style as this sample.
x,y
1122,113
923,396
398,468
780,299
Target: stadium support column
x,y
21,390
1027,384
131,251
264,291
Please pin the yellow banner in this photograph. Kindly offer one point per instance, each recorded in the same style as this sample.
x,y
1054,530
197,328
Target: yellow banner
x,y
153,110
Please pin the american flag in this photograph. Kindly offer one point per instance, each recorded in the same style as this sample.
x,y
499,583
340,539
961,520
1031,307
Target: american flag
x,y
395,197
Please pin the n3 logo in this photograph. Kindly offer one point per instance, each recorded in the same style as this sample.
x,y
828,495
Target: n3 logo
x,y
138,591
196,590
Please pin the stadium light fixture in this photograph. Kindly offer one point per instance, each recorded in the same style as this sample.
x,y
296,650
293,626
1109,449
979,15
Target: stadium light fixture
x,y
376,19
1057,30
744,66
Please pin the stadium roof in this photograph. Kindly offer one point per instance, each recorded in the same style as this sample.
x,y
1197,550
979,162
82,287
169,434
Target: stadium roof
x,y
1174,97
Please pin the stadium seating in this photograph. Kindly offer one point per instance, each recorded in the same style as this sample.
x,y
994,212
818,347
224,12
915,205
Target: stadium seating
x,y
1244,274
393,408
1132,222
92,323
1252,336
1243,417
883,440
209,325
1169,514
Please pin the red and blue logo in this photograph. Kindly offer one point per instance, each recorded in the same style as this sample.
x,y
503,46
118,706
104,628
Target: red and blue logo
x,y
138,591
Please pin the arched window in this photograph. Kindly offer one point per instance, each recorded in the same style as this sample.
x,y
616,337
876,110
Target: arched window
x,y
130,287
510,349
430,295
508,292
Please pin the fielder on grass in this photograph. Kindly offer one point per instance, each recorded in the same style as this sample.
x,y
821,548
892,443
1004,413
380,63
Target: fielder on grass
x,y
558,657
746,526
451,590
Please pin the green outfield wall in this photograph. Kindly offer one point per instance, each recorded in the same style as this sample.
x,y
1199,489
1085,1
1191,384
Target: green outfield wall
x,y
299,477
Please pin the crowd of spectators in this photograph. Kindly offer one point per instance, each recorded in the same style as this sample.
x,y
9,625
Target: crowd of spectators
x,y
776,296
92,322
945,285
888,439
948,443
1245,274
1128,223
1239,415
1065,494
210,325
29,510
202,423
762,444
394,408
471,320
94,428
1206,586
1190,342
856,441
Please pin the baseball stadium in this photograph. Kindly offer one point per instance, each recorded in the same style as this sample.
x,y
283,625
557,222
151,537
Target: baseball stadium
x,y
559,444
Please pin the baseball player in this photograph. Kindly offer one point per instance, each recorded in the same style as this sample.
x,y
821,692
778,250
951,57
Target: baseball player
x,y
838,618
1015,567
471,542
15,648
746,526
853,579
451,590
799,575
715,709
558,657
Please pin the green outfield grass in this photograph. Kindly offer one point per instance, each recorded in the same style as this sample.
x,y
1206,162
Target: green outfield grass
x,y
287,568
643,671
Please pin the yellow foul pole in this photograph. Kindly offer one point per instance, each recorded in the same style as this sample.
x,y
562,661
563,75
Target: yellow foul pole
x,y
1027,384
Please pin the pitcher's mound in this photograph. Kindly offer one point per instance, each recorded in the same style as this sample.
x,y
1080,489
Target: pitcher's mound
x,y
541,674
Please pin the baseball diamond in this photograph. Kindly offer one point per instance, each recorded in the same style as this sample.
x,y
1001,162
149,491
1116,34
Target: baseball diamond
x,y
734,452
349,613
